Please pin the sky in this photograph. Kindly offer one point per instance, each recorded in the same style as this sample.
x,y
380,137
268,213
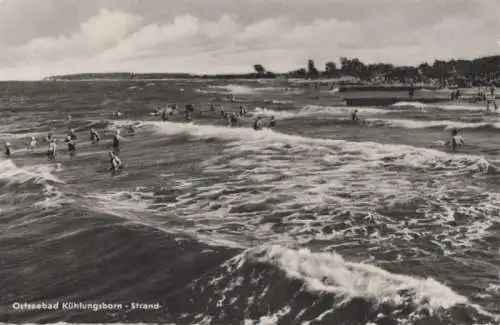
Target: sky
x,y
39,38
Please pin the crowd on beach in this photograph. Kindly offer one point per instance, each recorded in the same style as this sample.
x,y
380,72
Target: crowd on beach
x,y
231,118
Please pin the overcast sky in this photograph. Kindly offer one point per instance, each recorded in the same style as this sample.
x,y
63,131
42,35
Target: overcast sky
x,y
45,37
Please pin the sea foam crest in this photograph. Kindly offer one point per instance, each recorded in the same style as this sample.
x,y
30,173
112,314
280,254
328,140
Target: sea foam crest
x,y
329,272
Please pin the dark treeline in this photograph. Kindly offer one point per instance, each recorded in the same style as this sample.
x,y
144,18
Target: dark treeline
x,y
461,73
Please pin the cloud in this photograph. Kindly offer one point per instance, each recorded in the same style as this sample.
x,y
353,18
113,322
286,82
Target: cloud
x,y
104,30
130,35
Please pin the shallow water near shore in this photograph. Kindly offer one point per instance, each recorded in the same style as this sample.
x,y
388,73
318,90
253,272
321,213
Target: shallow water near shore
x,y
316,221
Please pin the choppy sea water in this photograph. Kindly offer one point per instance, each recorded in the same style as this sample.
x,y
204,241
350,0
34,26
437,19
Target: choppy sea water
x,y
317,221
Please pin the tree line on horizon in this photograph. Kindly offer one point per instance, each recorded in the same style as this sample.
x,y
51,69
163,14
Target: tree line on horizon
x,y
463,73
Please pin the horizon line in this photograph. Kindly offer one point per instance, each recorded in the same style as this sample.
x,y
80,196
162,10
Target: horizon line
x,y
249,72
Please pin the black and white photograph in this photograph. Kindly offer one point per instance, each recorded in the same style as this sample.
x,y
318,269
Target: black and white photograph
x,y
250,162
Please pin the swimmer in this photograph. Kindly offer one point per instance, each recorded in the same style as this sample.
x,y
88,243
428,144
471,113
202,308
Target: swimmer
x,y
233,119
243,110
71,145
164,114
116,142
32,144
257,124
456,140
272,122
354,116
212,108
51,152
49,137
115,162
8,151
94,136
71,133
131,129
189,112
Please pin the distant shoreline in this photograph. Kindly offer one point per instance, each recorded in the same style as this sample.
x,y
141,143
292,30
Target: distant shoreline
x,y
150,76
346,83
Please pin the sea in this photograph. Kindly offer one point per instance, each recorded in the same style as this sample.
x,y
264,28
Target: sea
x,y
317,220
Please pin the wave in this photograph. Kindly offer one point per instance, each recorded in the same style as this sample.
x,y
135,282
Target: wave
x,y
274,284
236,89
39,174
333,191
244,90
37,182
123,124
448,107
318,110
445,124
367,150
410,104
278,102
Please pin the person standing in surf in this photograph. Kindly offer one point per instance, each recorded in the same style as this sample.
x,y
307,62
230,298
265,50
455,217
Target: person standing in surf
x,y
8,151
189,112
233,119
71,145
116,142
257,124
456,140
49,137
115,162
32,144
354,116
51,152
131,129
411,91
165,114
272,122
94,136
243,110
71,134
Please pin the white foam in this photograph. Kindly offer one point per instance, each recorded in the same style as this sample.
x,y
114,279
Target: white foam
x,y
267,136
329,272
119,124
336,182
409,104
272,319
422,124
236,89
317,110
38,173
387,197
448,107
463,107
